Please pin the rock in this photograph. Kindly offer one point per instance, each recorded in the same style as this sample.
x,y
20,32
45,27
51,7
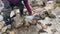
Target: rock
x,y
12,14
9,27
36,2
14,31
39,2
44,33
1,18
26,23
2,23
41,31
38,10
0,32
4,33
49,24
41,13
58,1
29,18
38,27
50,5
44,26
56,11
4,29
32,29
53,30
45,22
52,16
1,5
56,33
36,17
16,11
34,22
18,21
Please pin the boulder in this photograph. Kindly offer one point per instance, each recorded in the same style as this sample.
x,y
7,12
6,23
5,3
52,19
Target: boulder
x,y
18,21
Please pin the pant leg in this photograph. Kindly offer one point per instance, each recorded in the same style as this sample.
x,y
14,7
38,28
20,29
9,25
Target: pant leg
x,y
6,15
21,8
6,12
27,6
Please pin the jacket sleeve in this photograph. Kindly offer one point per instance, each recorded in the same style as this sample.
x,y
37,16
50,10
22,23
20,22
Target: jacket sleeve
x,y
27,6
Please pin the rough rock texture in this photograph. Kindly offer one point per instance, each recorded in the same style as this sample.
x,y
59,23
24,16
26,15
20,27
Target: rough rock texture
x,y
45,26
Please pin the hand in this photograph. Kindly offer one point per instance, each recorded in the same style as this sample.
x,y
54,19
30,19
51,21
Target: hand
x,y
33,12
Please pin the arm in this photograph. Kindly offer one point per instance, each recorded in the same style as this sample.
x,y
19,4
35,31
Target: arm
x,y
27,6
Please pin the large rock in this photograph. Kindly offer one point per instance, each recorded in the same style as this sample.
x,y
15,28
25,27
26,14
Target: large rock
x,y
31,19
18,21
50,5
28,19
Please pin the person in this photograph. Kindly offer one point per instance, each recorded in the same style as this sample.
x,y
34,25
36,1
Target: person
x,y
8,6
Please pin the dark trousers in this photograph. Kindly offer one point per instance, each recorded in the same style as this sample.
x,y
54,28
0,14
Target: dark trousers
x,y
20,6
9,6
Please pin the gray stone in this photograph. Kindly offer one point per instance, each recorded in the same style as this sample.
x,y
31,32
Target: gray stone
x,y
1,18
18,21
